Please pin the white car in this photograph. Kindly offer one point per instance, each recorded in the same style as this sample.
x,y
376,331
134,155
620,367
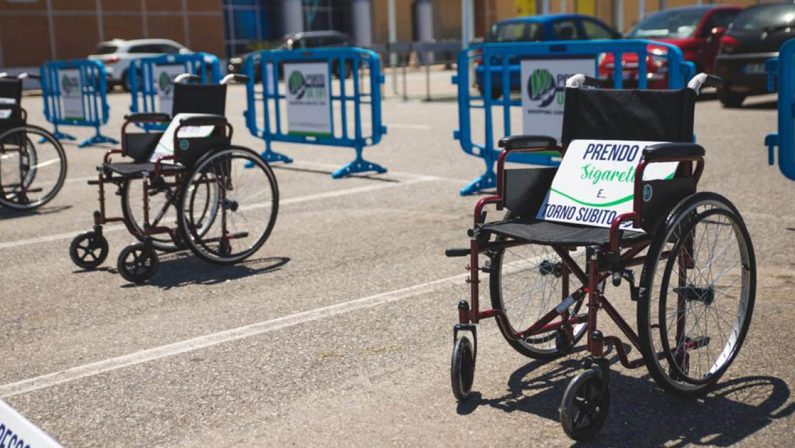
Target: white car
x,y
117,53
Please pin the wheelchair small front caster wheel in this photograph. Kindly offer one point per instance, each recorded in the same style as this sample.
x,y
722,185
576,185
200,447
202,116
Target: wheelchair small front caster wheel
x,y
138,263
88,250
585,404
462,369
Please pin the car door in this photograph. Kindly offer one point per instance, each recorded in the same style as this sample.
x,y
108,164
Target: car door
x,y
566,29
709,41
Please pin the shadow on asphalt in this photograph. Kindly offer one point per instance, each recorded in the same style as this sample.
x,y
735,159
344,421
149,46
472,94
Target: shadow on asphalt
x,y
318,171
641,414
183,269
44,210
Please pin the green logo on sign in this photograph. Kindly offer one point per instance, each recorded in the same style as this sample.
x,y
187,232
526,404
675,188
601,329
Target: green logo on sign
x,y
69,85
165,83
297,84
541,87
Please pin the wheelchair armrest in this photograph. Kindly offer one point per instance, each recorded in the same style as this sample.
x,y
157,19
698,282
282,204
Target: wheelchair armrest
x,y
207,120
513,142
672,152
150,117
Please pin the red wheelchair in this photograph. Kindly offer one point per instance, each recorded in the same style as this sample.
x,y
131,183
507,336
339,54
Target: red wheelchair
x,y
548,280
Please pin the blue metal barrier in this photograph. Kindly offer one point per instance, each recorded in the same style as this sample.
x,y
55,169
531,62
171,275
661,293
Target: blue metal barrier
x,y
336,117
782,69
499,62
75,94
154,77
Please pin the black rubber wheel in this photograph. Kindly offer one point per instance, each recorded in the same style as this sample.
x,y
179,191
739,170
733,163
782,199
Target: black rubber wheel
x,y
729,99
462,368
585,405
514,272
88,250
138,263
32,174
162,212
699,280
235,210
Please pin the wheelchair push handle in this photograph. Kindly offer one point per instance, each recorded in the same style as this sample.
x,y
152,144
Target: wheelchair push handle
x,y
23,75
704,80
186,77
235,77
580,80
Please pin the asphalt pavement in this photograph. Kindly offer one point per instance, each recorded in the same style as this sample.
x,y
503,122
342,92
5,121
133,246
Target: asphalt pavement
x,y
338,331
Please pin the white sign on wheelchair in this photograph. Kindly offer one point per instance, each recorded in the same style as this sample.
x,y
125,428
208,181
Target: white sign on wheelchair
x,y
165,146
8,101
5,113
595,182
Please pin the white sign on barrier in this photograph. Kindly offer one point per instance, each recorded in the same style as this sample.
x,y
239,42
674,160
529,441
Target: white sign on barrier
x,y
164,85
308,98
18,432
71,94
543,83
595,182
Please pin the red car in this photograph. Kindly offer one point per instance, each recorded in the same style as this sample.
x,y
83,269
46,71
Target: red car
x,y
696,30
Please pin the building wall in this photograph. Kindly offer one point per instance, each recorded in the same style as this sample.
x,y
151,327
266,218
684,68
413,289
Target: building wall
x,y
34,31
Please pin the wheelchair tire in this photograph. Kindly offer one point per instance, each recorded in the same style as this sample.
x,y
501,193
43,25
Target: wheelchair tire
x,y
246,206
699,283
539,274
161,242
462,368
88,250
585,405
38,174
138,263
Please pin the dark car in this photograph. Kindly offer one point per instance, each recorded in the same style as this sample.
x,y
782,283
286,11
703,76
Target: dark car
x,y
696,30
535,29
298,41
754,37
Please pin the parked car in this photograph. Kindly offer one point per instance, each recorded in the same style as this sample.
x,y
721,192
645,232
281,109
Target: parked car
x,y
116,54
755,36
536,29
299,41
696,30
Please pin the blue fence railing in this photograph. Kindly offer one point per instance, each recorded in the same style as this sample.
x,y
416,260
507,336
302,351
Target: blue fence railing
x,y
151,88
328,97
781,71
498,71
75,94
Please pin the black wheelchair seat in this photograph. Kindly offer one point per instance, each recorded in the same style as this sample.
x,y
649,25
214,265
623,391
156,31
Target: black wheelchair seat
x,y
132,169
556,233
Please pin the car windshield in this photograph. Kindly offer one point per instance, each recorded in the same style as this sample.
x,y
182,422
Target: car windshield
x,y
514,32
770,16
672,24
105,49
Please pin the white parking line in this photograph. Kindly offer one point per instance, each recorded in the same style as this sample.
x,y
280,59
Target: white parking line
x,y
295,200
209,340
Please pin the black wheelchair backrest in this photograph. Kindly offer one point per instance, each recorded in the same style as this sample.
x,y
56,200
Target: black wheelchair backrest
x,y
650,115
11,88
199,99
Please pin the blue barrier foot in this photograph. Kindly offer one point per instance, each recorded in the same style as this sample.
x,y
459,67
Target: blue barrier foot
x,y
486,181
274,157
59,136
99,138
358,166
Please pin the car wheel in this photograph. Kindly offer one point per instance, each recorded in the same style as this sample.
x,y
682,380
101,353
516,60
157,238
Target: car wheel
x,y
730,99
125,82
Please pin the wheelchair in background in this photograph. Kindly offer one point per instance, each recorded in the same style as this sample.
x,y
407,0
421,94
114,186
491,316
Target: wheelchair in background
x,y
197,190
695,295
31,173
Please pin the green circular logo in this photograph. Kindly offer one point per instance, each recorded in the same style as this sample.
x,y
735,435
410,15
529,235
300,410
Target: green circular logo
x,y
541,87
647,193
184,144
165,83
297,84
68,85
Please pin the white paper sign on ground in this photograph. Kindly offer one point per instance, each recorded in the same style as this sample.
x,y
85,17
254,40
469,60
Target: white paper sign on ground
x,y
543,83
308,98
595,182
71,94
165,146
17,431
164,85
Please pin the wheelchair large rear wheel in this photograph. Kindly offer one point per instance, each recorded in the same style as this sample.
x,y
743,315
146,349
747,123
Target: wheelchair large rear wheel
x,y
237,218
700,283
31,174
526,282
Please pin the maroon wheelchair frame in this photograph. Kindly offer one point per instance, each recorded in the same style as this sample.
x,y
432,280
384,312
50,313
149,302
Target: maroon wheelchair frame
x,y
597,271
